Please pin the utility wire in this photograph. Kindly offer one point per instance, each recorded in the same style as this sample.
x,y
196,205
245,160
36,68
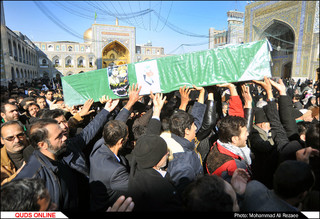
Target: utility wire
x,y
188,44
131,12
178,29
165,23
142,18
158,18
55,19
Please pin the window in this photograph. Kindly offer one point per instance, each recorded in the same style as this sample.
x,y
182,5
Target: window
x,y
63,47
91,62
80,63
138,49
44,61
68,62
15,53
43,47
20,56
27,57
50,48
57,48
69,48
24,55
10,48
56,62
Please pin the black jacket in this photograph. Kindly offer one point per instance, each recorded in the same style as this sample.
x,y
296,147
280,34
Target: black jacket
x,y
108,177
40,166
151,191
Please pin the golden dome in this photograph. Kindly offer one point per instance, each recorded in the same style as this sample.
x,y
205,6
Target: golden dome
x,y
87,36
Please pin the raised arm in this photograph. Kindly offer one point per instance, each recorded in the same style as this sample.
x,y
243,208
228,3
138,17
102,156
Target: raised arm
x,y
285,111
184,94
209,119
154,126
124,113
235,104
134,91
91,130
202,92
273,115
248,111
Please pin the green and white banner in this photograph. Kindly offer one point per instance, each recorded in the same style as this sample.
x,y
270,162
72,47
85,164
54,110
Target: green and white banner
x,y
234,63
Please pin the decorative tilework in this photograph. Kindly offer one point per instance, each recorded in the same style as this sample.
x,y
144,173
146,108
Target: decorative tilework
x,y
316,19
251,15
302,17
305,64
264,22
300,37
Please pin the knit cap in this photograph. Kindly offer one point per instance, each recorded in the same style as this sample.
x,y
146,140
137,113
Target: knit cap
x,y
260,116
149,150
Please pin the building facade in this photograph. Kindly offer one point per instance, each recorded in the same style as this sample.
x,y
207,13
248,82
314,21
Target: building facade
x,y
18,55
217,38
147,51
64,58
104,45
234,34
292,27
235,27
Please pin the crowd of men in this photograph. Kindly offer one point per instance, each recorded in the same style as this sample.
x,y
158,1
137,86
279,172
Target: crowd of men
x,y
236,147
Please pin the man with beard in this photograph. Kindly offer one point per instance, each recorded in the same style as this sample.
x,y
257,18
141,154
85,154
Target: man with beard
x,y
58,159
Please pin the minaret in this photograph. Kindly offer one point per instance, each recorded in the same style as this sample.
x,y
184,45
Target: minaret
x,y
235,27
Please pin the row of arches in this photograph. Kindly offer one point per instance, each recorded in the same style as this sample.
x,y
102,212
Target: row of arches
x,y
21,53
22,74
80,62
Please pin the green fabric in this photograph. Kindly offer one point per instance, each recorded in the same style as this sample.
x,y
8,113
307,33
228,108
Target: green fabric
x,y
234,63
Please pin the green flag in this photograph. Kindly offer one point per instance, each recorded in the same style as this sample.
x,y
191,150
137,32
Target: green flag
x,y
233,63
95,16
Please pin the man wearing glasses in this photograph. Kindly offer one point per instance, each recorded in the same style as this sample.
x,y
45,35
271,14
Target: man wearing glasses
x,y
14,141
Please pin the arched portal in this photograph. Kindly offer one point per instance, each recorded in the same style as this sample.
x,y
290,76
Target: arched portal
x,y
287,68
281,37
115,53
